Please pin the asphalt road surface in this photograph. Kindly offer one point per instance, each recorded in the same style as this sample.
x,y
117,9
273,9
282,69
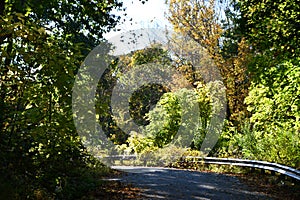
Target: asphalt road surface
x,y
164,183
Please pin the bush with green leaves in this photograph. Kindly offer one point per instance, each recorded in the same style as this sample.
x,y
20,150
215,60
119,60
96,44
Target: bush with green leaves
x,y
166,119
273,131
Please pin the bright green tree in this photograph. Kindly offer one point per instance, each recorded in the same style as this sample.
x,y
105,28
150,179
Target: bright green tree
x,y
272,131
275,121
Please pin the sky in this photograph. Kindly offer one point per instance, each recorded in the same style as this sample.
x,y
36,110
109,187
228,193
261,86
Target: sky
x,y
148,15
151,14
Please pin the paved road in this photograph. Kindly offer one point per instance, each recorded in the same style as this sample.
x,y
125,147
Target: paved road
x,y
164,183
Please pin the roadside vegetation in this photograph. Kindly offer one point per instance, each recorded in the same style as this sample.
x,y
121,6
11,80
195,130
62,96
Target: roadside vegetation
x,y
255,46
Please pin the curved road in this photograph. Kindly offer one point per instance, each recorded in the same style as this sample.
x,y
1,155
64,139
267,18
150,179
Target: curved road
x,y
165,183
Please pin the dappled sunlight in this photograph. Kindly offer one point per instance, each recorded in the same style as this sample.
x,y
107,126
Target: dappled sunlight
x,y
185,184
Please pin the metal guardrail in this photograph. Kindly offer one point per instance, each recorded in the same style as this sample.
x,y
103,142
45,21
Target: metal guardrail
x,y
273,167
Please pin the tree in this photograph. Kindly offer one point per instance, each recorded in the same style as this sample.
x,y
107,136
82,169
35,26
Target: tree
x,y
160,123
198,20
202,22
169,115
272,26
273,132
41,51
140,100
88,19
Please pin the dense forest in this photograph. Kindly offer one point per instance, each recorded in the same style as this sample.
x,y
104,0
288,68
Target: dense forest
x,y
254,45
